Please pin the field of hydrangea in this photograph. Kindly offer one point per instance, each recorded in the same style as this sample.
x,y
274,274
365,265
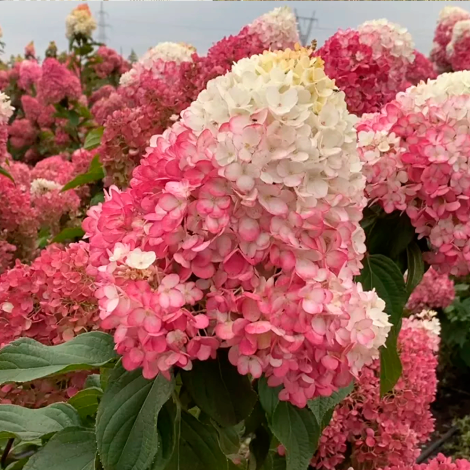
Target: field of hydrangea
x,y
256,258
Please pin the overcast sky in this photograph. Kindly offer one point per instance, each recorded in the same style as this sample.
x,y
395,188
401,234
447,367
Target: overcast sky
x,y
140,25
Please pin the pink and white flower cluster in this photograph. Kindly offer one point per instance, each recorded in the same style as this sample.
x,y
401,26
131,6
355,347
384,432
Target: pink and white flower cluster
x,y
369,63
416,154
457,50
374,432
80,22
441,462
241,230
6,111
435,291
421,69
448,18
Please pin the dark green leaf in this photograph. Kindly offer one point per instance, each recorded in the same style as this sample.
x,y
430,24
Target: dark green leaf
x,y
68,234
415,267
198,448
229,438
74,118
268,396
93,380
70,449
126,424
382,273
259,448
167,426
219,390
94,173
274,462
93,138
86,402
5,173
25,359
43,237
295,428
105,373
27,424
97,198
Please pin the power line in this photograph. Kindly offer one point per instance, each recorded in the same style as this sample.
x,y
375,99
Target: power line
x,y
305,24
102,25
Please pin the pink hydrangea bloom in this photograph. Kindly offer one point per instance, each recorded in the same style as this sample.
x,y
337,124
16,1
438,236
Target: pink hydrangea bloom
x,y
22,133
458,54
438,463
416,161
435,291
109,62
421,69
52,300
369,63
242,231
30,74
6,255
448,17
386,431
57,83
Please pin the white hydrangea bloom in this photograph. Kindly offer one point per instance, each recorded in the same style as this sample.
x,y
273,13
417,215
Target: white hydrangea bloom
x,y
6,109
41,186
80,22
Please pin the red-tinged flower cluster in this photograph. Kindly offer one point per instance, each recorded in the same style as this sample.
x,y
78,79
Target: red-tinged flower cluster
x,y
157,90
43,392
435,291
458,53
448,17
52,300
109,63
369,63
416,161
30,73
57,83
6,255
241,231
373,432
421,69
441,462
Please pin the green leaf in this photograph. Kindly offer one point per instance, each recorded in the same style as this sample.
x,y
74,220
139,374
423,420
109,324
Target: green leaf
x,y
93,380
229,438
274,461
73,117
219,390
97,198
126,424
295,427
43,238
70,449
5,173
168,423
382,274
415,267
93,138
259,448
197,447
86,402
268,396
27,424
94,173
68,234
25,359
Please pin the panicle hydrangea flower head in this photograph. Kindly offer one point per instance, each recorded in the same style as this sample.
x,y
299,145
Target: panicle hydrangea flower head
x,y
6,109
441,462
369,63
375,432
416,159
421,69
80,22
241,230
109,63
30,74
457,50
448,17
435,291
6,255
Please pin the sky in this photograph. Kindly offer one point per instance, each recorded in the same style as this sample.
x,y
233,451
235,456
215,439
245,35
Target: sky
x,y
140,25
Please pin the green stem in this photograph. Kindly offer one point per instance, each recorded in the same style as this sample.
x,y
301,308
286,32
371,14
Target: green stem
x,y
6,451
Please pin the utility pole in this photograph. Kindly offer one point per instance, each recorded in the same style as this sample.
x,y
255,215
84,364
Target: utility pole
x,y
102,25
305,26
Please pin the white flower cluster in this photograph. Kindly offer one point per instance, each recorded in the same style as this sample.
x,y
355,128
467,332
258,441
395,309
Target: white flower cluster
x,y
444,86
309,143
277,28
80,22
6,109
427,320
165,51
393,37
448,13
41,186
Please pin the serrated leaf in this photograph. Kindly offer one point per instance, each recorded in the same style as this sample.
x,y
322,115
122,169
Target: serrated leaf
x,y
94,173
27,424
69,233
70,449
126,424
86,402
268,396
167,426
197,448
295,427
6,173
415,267
25,359
219,390
93,138
382,273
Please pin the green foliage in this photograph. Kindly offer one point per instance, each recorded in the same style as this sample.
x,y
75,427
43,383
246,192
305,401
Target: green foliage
x,y
93,138
68,234
6,174
94,173
459,446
